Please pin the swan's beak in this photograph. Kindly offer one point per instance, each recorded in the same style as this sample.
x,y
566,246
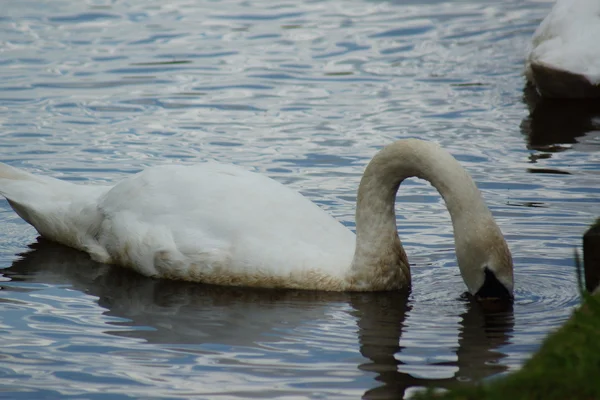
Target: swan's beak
x,y
492,288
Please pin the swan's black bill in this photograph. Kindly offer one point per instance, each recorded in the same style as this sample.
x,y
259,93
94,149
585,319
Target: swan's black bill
x,y
492,288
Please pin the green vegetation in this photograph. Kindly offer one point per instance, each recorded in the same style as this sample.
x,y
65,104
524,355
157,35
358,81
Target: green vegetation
x,y
567,366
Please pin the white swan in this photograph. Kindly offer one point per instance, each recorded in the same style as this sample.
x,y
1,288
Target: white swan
x,y
563,59
221,224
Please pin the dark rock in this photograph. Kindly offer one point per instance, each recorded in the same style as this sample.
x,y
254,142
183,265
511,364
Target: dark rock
x,y
591,256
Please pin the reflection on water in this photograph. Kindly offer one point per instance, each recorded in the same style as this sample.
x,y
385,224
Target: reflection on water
x,y
558,125
266,330
483,330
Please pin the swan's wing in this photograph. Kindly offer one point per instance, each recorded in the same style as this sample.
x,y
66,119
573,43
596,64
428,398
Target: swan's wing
x,y
187,222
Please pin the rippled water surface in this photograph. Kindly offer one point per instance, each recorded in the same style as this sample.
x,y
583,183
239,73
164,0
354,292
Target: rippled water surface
x,y
305,92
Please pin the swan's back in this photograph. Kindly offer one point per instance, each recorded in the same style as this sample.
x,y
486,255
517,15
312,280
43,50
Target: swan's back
x,y
221,224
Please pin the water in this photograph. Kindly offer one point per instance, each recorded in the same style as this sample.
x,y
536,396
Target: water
x,y
305,92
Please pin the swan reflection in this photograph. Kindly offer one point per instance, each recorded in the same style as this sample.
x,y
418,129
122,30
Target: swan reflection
x,y
179,314
554,123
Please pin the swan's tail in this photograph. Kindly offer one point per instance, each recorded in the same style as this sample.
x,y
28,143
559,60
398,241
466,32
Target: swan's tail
x,y
59,210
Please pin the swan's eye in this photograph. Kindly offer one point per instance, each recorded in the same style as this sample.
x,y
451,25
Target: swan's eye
x,y
492,288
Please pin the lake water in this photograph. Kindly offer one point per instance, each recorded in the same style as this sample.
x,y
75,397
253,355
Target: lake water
x,y
305,92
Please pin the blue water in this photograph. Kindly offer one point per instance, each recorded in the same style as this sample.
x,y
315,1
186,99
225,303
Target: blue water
x,y
305,92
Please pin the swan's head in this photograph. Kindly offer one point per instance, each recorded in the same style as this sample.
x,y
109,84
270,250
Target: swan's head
x,y
485,262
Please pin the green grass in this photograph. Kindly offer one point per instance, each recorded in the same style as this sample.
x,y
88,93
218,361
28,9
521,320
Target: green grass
x,y
567,366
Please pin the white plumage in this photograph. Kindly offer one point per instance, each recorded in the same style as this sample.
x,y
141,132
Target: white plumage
x,y
564,57
221,224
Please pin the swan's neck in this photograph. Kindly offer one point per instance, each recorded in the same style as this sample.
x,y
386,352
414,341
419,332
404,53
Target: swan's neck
x,y
379,259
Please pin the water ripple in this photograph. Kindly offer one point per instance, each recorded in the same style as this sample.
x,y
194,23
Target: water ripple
x,y
305,92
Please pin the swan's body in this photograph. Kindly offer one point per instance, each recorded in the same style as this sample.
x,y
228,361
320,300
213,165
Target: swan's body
x,y
220,224
564,57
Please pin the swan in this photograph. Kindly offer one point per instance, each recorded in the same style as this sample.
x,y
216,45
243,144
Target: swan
x,y
563,58
220,224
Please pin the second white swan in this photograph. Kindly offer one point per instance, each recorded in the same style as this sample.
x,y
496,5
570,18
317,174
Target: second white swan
x,y
220,224
563,59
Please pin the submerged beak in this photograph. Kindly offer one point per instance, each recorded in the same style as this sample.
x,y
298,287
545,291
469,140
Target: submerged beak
x,y
492,288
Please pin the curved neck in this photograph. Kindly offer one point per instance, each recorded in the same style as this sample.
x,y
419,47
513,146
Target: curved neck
x,y
378,250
